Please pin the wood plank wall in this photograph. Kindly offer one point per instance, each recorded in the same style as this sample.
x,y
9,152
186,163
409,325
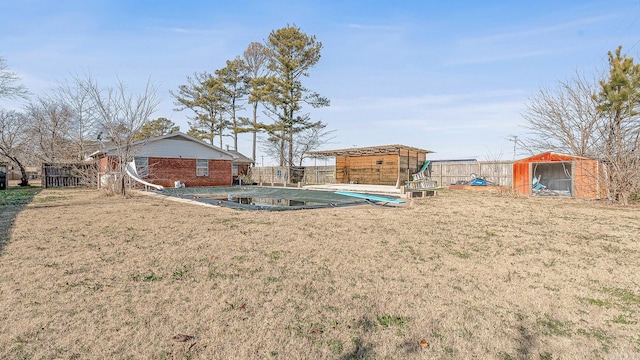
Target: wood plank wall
x,y
381,170
63,175
378,169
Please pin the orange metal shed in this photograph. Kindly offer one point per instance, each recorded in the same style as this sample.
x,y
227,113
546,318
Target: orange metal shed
x,y
561,175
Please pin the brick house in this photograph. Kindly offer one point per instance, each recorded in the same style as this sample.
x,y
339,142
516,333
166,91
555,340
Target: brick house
x,y
166,159
241,165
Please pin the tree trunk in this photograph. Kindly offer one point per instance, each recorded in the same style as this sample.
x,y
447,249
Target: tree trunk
x,y
24,178
220,133
235,127
282,136
290,161
255,132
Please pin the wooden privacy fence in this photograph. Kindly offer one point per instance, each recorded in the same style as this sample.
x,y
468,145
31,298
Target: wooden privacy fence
x,y
68,175
451,172
444,173
319,175
305,174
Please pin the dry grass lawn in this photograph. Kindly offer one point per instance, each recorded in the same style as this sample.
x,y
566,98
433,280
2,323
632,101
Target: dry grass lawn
x,y
460,275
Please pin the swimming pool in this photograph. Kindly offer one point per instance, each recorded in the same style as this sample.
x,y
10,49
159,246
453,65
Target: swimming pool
x,y
264,198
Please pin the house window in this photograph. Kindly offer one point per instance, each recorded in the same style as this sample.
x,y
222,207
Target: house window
x,y
142,166
235,170
202,167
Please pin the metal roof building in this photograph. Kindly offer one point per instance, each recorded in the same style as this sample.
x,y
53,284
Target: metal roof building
x,y
554,174
378,165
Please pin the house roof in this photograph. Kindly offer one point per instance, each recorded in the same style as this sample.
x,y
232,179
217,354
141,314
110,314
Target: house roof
x,y
370,150
177,134
240,159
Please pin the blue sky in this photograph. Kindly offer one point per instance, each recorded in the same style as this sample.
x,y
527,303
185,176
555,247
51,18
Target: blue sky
x,y
448,76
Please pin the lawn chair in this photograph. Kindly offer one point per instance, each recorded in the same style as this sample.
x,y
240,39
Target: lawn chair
x,y
424,172
536,183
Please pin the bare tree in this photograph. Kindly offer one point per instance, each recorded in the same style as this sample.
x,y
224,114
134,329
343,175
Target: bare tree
x,y
564,119
12,138
492,168
48,129
14,141
619,126
594,119
311,139
120,116
8,80
306,141
83,129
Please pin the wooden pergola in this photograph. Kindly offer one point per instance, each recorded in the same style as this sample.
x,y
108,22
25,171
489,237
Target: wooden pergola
x,y
371,150
385,164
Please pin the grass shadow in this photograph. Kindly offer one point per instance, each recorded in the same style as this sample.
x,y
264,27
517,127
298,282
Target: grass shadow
x,y
12,201
361,351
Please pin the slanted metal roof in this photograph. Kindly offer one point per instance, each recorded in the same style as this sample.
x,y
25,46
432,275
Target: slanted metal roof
x,y
370,150
550,156
240,159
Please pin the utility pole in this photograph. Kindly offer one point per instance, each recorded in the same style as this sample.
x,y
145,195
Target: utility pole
x,y
514,138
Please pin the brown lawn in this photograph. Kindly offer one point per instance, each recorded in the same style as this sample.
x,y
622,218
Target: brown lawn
x,y
460,275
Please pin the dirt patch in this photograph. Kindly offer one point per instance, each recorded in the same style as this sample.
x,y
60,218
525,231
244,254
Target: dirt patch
x,y
459,275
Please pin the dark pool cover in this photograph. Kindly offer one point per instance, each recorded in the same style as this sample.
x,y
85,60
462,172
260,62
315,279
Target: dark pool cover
x,y
264,198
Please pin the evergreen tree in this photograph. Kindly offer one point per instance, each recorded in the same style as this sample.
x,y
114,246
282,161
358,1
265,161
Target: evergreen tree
x,y
256,58
234,80
207,97
158,127
293,54
619,105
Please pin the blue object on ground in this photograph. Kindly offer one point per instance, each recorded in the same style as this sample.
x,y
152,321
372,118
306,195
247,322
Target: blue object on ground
x,y
537,185
479,182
